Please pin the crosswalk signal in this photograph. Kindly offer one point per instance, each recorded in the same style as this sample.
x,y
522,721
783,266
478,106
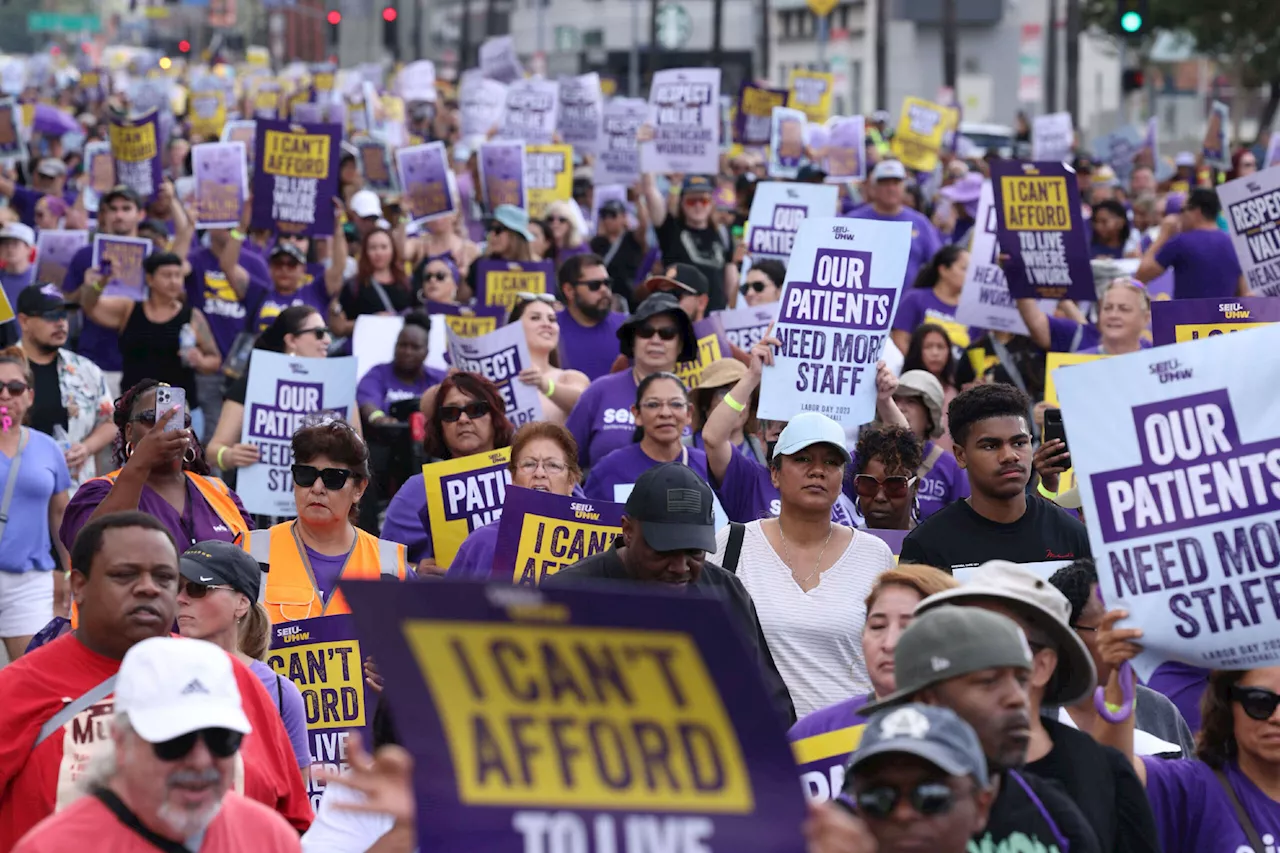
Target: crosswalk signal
x,y
1132,80
1132,16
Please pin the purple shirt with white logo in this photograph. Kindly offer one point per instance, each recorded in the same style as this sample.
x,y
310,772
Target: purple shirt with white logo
x,y
1194,814
626,464
602,422
209,291
591,349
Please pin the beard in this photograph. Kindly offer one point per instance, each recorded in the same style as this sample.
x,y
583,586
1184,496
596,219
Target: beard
x,y
596,311
187,823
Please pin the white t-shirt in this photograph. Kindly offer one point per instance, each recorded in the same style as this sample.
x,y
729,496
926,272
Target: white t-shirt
x,y
336,830
815,637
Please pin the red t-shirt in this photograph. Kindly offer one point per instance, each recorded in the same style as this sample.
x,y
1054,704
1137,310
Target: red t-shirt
x,y
34,783
241,824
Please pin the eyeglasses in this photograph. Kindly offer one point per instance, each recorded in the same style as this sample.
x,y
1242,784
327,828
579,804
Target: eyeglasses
x,y
658,405
551,466
757,286
222,743
475,410
895,488
333,478
544,298
594,284
1258,702
15,388
928,799
609,214
200,590
319,332
147,417
437,276
667,333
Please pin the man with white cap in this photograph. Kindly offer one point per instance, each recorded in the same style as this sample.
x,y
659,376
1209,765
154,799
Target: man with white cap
x,y
1099,779
886,192
177,732
17,259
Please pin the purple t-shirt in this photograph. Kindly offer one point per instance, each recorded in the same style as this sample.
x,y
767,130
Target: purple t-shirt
x,y
288,701
380,387
24,201
403,523
601,421
925,241
209,291
15,284
1204,264
1069,336
921,305
198,522
312,292
591,349
327,570
1184,685
474,560
1194,814
626,464
822,759
97,343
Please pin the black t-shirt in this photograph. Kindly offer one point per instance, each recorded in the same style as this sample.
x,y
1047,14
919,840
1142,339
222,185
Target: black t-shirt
x,y
705,248
360,297
1102,784
47,411
956,537
624,266
1018,822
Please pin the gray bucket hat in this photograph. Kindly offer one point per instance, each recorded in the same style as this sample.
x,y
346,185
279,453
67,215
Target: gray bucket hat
x,y
923,384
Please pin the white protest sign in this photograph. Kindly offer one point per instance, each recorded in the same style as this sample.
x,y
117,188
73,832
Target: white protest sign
x,y
1177,457
618,159
1052,137
786,142
499,60
499,357
684,113
744,326
529,113
1252,208
843,282
373,341
480,105
283,392
417,81
581,114
777,209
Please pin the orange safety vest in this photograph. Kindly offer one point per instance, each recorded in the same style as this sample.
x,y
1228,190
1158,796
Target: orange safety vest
x,y
289,589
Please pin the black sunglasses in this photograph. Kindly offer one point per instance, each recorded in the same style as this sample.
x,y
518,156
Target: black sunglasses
x,y
928,799
757,286
594,284
147,417
222,743
333,478
1258,702
15,387
608,214
497,228
200,590
319,332
667,333
55,316
437,276
475,410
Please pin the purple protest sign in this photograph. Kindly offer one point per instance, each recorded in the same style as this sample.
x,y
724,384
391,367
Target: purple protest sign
x,y
751,122
135,146
424,182
1040,227
498,282
530,112
1179,320
461,495
54,250
541,533
296,177
375,165
508,763
502,174
846,151
222,183
467,321
712,346
581,115
119,259
618,161
786,142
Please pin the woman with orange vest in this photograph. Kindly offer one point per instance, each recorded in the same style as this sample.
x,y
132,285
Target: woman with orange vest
x,y
309,555
162,473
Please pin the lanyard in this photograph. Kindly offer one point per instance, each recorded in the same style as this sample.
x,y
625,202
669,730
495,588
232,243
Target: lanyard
x,y
188,516
306,563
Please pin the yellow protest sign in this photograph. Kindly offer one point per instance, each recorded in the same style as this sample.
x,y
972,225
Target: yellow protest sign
x,y
810,92
919,134
208,113
463,494
548,176
1034,202
541,533
500,281
295,154
712,347
1054,360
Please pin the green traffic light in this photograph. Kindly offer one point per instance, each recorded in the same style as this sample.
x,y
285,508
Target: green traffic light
x,y
1131,22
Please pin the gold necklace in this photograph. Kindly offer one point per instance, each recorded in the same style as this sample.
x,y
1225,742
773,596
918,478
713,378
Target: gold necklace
x,y
786,552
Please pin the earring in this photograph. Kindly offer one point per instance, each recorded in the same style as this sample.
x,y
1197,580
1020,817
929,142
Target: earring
x,y
128,449
189,455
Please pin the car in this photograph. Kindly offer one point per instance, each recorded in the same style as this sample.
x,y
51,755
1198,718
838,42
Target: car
x,y
987,138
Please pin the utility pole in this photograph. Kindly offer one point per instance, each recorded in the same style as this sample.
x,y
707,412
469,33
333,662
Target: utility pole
x,y
766,12
717,25
882,54
464,38
1073,61
1051,60
949,48
633,72
653,38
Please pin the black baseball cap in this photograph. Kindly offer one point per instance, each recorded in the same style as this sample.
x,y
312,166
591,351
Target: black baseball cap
x,y
289,250
37,299
681,279
217,563
697,184
122,191
675,509
613,206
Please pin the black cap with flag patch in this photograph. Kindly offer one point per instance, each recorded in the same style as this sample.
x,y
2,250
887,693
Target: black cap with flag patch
x,y
675,509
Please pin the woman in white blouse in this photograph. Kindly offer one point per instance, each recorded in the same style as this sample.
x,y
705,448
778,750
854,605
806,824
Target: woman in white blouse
x,y
809,576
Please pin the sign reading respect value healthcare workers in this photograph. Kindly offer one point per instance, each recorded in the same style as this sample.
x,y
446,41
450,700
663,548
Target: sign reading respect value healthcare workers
x,y
463,494
1252,207
541,533
1176,321
581,720
1177,455
842,289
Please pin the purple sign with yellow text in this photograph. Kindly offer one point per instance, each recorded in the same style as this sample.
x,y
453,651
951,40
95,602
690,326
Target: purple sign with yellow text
x,y
1181,320
296,177
541,533
1040,227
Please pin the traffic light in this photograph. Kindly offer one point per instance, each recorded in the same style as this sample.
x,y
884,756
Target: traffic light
x,y
334,18
1132,80
389,15
390,38
184,46
1132,16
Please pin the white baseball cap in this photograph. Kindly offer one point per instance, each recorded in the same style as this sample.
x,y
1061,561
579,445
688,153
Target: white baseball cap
x,y
171,686
18,231
365,203
889,170
808,428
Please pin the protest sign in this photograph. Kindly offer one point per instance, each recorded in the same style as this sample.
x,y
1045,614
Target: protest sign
x,y
417,81
463,494
1252,207
541,533
712,346
778,209
468,321
918,137
119,259
1040,227
1217,147
684,114
753,119
1273,151
845,153
837,305
578,719
207,110
618,160
322,658
100,173
1052,137
54,250
240,130
268,101
822,758
498,282
373,341
1055,360
580,117
135,146
12,136
499,60
374,158
743,327
1151,146
810,92
786,142
502,177
499,357
480,105
548,174
425,186
529,113
284,392
1175,453
222,183
296,177
1180,320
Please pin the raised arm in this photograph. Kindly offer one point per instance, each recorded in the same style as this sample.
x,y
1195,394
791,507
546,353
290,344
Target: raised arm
x,y
1036,320
110,311
337,252
657,204
717,432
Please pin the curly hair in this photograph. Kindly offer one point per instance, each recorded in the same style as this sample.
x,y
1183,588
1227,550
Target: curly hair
x,y
982,402
1216,742
897,448
124,412
1076,583
476,387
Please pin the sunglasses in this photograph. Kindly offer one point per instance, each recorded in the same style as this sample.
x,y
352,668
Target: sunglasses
x,y
15,387
290,263
475,410
544,298
333,478
200,590
56,316
222,743
667,333
147,417
495,228
697,201
594,284
928,799
319,332
757,286
609,214
437,276
895,488
557,219
1259,703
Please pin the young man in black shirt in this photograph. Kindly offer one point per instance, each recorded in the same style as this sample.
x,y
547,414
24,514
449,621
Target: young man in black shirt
x,y
999,521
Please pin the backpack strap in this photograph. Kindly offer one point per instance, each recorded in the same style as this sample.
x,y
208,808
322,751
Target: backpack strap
x,y
733,548
935,453
1063,845
1250,831
71,709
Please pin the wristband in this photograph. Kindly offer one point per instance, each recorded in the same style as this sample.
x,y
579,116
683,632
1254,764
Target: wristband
x,y
1045,492
376,415
237,234
733,404
551,387
98,286
217,459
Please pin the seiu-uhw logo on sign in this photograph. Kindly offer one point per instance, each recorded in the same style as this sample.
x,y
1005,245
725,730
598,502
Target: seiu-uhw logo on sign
x,y
1234,311
840,232
298,369
1170,371
585,511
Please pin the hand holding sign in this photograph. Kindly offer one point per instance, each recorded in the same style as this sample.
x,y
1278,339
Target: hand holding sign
x,y
384,778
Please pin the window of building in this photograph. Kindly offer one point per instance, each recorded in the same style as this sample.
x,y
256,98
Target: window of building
x,y
593,38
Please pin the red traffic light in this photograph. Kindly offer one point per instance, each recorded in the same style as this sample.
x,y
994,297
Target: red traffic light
x,y
389,14
334,17
184,46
